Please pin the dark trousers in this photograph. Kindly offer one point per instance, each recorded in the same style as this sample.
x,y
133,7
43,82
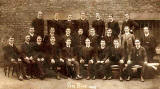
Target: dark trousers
x,y
108,70
128,70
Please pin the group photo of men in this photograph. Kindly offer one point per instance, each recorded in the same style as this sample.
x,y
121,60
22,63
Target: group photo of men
x,y
72,46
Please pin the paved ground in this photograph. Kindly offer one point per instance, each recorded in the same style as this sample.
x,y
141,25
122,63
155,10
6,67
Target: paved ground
x,y
52,83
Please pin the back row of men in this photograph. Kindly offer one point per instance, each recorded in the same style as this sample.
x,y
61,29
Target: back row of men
x,y
83,23
68,51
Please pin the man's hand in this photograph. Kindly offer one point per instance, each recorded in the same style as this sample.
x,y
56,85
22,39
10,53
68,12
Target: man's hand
x,y
91,61
102,61
81,61
31,58
107,61
98,61
38,59
129,62
19,60
69,59
12,59
42,59
61,60
145,62
27,58
52,61
73,59
121,61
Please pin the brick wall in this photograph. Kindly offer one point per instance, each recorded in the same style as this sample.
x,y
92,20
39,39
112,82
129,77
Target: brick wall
x,y
16,15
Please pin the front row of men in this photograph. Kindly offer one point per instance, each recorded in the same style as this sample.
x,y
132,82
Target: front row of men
x,y
35,58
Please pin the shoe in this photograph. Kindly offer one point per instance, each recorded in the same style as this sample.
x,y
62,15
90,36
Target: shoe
x,y
78,77
58,77
104,78
142,79
27,77
121,79
20,78
129,78
88,78
109,78
94,77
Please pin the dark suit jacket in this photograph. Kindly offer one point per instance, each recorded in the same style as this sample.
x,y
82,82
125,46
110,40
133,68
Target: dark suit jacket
x,y
38,25
84,24
115,28
99,26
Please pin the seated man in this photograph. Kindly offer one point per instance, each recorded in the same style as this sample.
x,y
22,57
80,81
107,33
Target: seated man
x,y
52,55
69,55
137,56
101,56
27,54
116,57
38,56
87,55
12,57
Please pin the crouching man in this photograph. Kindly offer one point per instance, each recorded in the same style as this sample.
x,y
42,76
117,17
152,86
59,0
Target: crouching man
x,y
137,56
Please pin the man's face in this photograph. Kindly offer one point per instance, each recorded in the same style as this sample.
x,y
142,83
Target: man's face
x,y
92,31
69,17
109,32
103,43
110,18
126,16
52,39
146,30
83,15
116,42
52,30
80,31
98,16
27,38
39,39
11,40
126,29
137,43
87,42
68,42
40,15
68,31
56,16
31,30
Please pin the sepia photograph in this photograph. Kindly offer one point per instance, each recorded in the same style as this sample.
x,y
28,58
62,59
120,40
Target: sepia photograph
x,y
80,44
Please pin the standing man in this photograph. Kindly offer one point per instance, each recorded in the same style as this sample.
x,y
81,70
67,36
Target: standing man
x,y
127,41
109,38
112,24
130,23
83,23
99,25
70,24
149,43
38,24
137,56
93,38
